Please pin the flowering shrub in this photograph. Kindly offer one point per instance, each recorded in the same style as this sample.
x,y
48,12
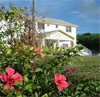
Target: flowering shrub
x,y
38,78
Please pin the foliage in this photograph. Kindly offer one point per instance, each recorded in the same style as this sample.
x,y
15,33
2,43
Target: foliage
x,y
15,57
81,87
41,81
91,41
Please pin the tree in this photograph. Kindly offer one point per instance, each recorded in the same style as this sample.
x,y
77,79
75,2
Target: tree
x,y
91,41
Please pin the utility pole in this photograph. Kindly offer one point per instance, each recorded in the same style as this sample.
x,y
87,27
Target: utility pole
x,y
33,20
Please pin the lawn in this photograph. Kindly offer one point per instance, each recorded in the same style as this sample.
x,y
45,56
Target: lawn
x,y
88,66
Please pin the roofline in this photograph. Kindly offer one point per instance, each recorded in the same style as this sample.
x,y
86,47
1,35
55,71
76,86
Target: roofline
x,y
61,32
56,23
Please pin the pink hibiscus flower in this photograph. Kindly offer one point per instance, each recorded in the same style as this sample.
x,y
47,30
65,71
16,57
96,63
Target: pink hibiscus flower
x,y
11,78
60,81
41,54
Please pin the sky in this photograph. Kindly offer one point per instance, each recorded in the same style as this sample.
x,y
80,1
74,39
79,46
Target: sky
x,y
84,13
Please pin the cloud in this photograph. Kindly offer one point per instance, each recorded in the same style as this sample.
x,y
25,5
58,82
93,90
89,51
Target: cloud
x,y
89,7
50,8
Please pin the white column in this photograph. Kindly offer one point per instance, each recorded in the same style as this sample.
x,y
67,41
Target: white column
x,y
71,43
58,41
43,42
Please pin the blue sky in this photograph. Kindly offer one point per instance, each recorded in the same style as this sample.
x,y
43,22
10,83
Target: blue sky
x,y
84,13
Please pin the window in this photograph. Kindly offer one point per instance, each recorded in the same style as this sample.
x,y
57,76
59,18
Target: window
x,y
48,25
56,26
68,29
5,41
40,26
65,46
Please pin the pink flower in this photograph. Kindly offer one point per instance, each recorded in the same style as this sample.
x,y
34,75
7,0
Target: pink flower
x,y
11,78
32,64
67,70
37,49
32,70
40,53
60,81
70,71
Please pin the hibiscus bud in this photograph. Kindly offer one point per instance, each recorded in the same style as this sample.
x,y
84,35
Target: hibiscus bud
x,y
32,70
32,64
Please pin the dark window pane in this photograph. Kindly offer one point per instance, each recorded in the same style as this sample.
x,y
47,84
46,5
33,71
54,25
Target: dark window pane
x,y
68,29
48,25
40,26
65,46
56,26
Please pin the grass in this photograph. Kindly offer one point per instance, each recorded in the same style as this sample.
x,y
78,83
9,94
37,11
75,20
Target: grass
x,y
88,66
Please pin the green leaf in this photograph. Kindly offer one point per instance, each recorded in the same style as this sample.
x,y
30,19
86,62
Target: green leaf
x,y
18,83
4,92
35,86
9,51
45,95
16,87
25,78
23,46
87,88
45,72
28,87
83,95
80,47
34,46
41,47
46,81
16,43
27,65
55,69
31,48
79,86
33,78
10,95
77,92
38,70
36,95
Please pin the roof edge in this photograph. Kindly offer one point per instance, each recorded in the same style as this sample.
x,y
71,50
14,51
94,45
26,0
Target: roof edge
x,y
56,23
61,32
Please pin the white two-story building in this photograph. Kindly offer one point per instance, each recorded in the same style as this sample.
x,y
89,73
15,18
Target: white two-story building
x,y
56,31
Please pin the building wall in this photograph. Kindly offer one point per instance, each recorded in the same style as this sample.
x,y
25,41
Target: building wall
x,y
52,27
